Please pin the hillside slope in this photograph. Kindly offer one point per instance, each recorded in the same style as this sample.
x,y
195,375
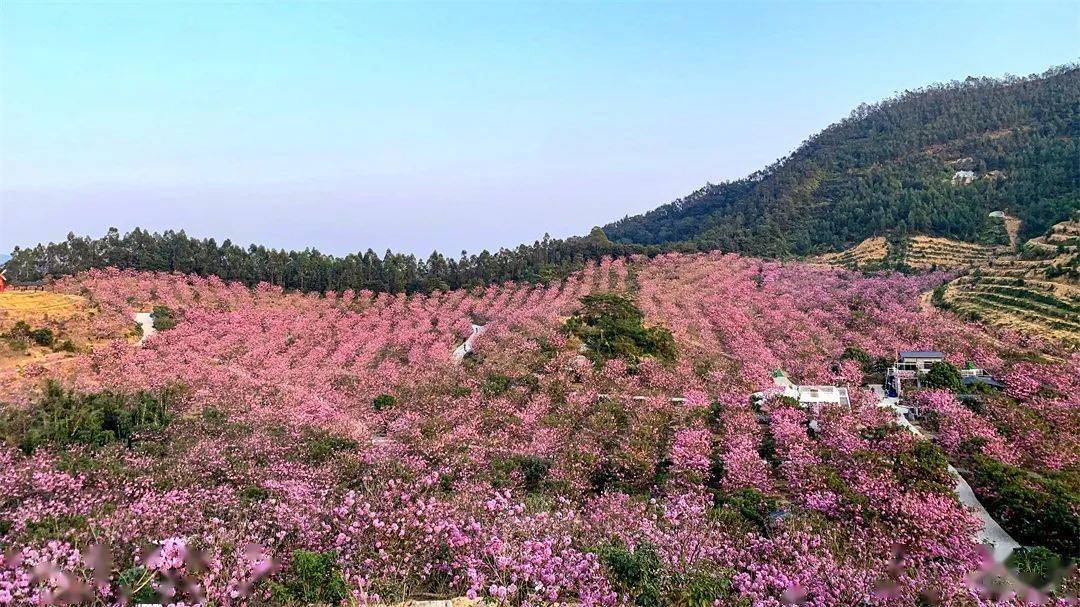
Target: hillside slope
x,y
933,161
1037,291
916,253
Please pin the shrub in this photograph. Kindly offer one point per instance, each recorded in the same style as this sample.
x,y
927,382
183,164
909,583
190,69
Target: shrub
x,y
496,385
859,355
700,589
42,337
924,468
322,445
67,346
1037,566
636,572
62,418
938,296
943,375
611,327
383,402
136,585
163,318
535,470
254,493
20,329
641,575
752,505
1037,510
311,578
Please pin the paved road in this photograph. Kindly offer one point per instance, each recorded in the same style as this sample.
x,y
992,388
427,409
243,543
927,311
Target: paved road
x,y
991,534
467,346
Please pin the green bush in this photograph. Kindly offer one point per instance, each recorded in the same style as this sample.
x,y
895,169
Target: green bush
x,y
635,572
535,470
163,318
641,575
752,505
701,589
62,418
860,355
943,375
322,445
496,385
1037,510
938,297
20,329
1037,566
924,468
136,585
254,493
67,346
42,337
611,327
311,578
383,402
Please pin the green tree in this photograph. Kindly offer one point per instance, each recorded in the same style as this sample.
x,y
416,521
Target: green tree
x,y
943,375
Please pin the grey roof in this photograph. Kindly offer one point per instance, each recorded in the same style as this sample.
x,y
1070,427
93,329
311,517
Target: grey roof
x,y
982,379
921,354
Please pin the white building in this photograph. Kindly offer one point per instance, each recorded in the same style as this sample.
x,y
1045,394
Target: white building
x,y
998,214
812,396
963,177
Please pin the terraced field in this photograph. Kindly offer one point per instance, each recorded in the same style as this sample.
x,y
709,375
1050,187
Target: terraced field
x,y
1037,291
872,251
925,252
919,252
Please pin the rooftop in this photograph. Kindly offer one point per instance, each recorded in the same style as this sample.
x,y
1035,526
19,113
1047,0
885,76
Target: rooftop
x,y
921,354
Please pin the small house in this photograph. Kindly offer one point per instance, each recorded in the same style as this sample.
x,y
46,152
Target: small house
x,y
918,360
963,177
998,214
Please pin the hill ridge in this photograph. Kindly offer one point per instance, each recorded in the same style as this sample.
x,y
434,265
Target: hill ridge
x,y
935,161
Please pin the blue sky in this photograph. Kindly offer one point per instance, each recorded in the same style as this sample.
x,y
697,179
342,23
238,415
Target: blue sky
x,y
445,126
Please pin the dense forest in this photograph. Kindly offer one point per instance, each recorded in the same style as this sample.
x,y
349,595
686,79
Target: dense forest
x,y
310,270
933,161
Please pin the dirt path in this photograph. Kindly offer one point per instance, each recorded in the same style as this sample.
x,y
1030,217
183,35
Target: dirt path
x,y
1012,228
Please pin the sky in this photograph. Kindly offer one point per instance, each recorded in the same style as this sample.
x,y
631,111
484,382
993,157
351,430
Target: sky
x,y
450,127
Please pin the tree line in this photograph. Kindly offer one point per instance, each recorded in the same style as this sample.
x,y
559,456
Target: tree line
x,y
310,269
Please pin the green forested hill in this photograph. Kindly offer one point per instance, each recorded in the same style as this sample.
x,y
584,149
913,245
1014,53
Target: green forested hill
x,y
890,168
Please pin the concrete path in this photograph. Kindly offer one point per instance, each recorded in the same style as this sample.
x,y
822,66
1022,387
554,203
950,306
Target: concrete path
x,y
146,321
992,534
467,347
1000,542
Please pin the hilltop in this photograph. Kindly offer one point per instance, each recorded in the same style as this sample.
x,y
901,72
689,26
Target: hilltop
x,y
934,161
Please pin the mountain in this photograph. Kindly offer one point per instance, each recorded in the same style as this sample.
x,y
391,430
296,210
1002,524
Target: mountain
x,y
934,161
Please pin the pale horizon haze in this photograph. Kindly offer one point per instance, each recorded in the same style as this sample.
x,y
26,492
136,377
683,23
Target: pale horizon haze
x,y
420,127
